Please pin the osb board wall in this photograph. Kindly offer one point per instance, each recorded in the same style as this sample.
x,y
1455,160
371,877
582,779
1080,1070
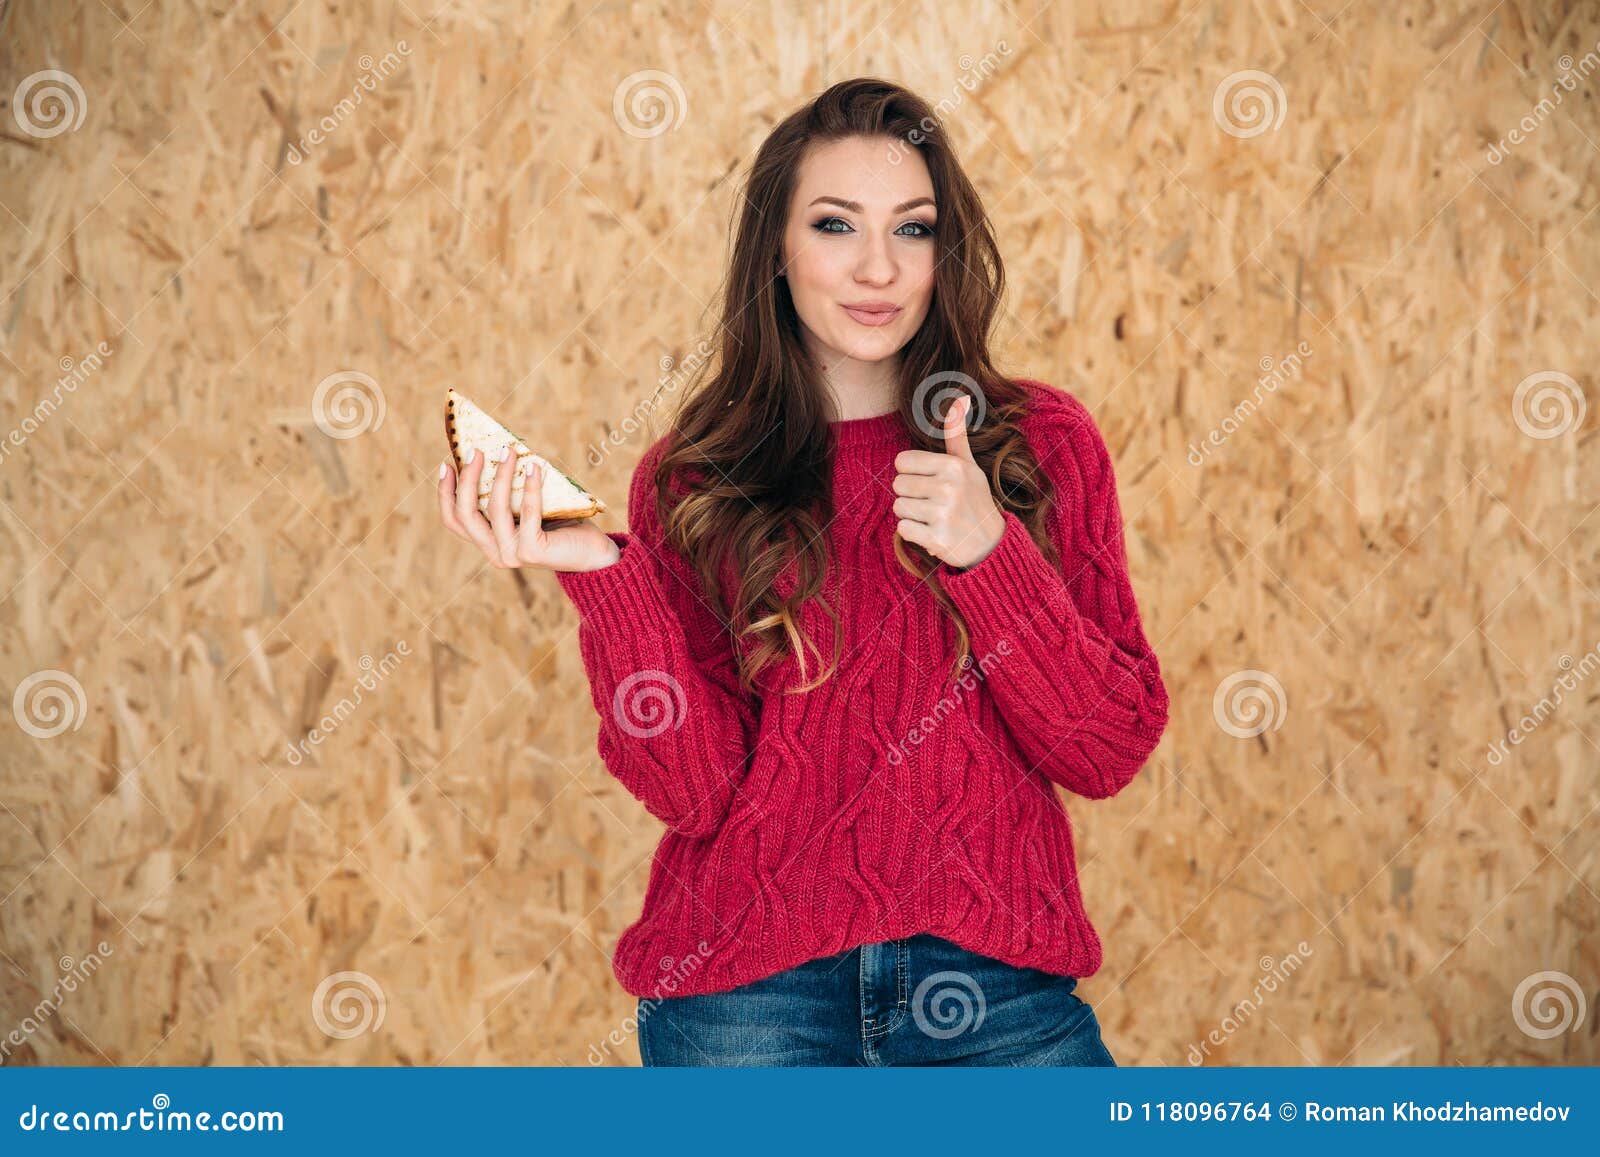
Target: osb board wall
x,y
1301,318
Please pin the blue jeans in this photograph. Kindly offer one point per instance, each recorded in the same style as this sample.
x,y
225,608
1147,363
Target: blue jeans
x,y
919,1000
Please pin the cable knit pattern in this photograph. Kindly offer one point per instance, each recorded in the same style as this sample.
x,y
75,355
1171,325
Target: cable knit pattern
x,y
890,800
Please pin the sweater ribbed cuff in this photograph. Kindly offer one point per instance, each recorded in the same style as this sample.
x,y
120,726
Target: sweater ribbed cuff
x,y
624,594
1012,581
1014,592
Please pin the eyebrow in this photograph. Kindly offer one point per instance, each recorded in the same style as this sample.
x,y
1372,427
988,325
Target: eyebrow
x,y
857,207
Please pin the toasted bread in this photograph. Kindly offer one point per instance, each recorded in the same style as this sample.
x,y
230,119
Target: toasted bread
x,y
468,427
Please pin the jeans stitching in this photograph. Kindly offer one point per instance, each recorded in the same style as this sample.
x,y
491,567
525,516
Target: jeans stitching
x,y
873,1027
861,1004
902,958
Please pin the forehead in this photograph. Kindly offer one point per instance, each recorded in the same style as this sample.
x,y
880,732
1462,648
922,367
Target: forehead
x,y
878,172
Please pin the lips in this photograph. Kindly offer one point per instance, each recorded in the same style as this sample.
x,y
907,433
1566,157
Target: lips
x,y
873,312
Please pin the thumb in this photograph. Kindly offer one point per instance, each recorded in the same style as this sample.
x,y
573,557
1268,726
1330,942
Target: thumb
x,y
955,429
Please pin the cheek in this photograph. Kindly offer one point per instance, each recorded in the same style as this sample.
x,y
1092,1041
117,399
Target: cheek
x,y
917,268
816,275
924,296
821,266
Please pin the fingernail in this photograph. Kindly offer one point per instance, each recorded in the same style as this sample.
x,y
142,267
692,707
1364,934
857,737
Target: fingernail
x,y
471,454
500,454
444,468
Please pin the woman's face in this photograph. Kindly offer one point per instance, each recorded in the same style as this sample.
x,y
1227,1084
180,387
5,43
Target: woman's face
x,y
860,234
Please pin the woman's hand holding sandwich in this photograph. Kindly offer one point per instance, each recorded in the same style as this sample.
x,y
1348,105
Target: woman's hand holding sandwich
x,y
573,545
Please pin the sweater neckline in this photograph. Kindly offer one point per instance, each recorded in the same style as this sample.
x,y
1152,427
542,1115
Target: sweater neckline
x,y
877,430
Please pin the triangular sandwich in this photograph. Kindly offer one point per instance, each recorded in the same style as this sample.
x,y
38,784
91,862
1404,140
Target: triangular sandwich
x,y
468,427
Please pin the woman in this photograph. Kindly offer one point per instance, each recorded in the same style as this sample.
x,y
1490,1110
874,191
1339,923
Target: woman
x,y
866,864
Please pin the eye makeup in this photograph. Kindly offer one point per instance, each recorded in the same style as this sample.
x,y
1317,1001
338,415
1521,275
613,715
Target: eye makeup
x,y
927,228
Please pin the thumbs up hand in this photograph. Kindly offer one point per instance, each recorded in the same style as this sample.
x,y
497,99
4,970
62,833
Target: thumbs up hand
x,y
945,506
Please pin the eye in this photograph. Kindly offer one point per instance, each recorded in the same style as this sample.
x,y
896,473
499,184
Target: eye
x,y
923,229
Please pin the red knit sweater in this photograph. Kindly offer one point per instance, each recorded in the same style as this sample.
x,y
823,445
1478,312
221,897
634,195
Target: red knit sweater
x,y
890,800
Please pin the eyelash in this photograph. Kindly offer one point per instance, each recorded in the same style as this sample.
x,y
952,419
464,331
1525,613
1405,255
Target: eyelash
x,y
820,226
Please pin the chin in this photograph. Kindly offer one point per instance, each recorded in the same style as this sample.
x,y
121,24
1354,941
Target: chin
x,y
872,349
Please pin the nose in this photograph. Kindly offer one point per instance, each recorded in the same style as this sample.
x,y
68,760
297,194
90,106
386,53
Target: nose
x,y
876,266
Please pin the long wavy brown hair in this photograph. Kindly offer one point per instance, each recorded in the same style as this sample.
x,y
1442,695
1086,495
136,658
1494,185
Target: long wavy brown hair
x,y
753,433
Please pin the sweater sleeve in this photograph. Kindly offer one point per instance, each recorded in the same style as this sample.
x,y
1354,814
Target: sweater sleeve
x,y
676,726
1063,652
